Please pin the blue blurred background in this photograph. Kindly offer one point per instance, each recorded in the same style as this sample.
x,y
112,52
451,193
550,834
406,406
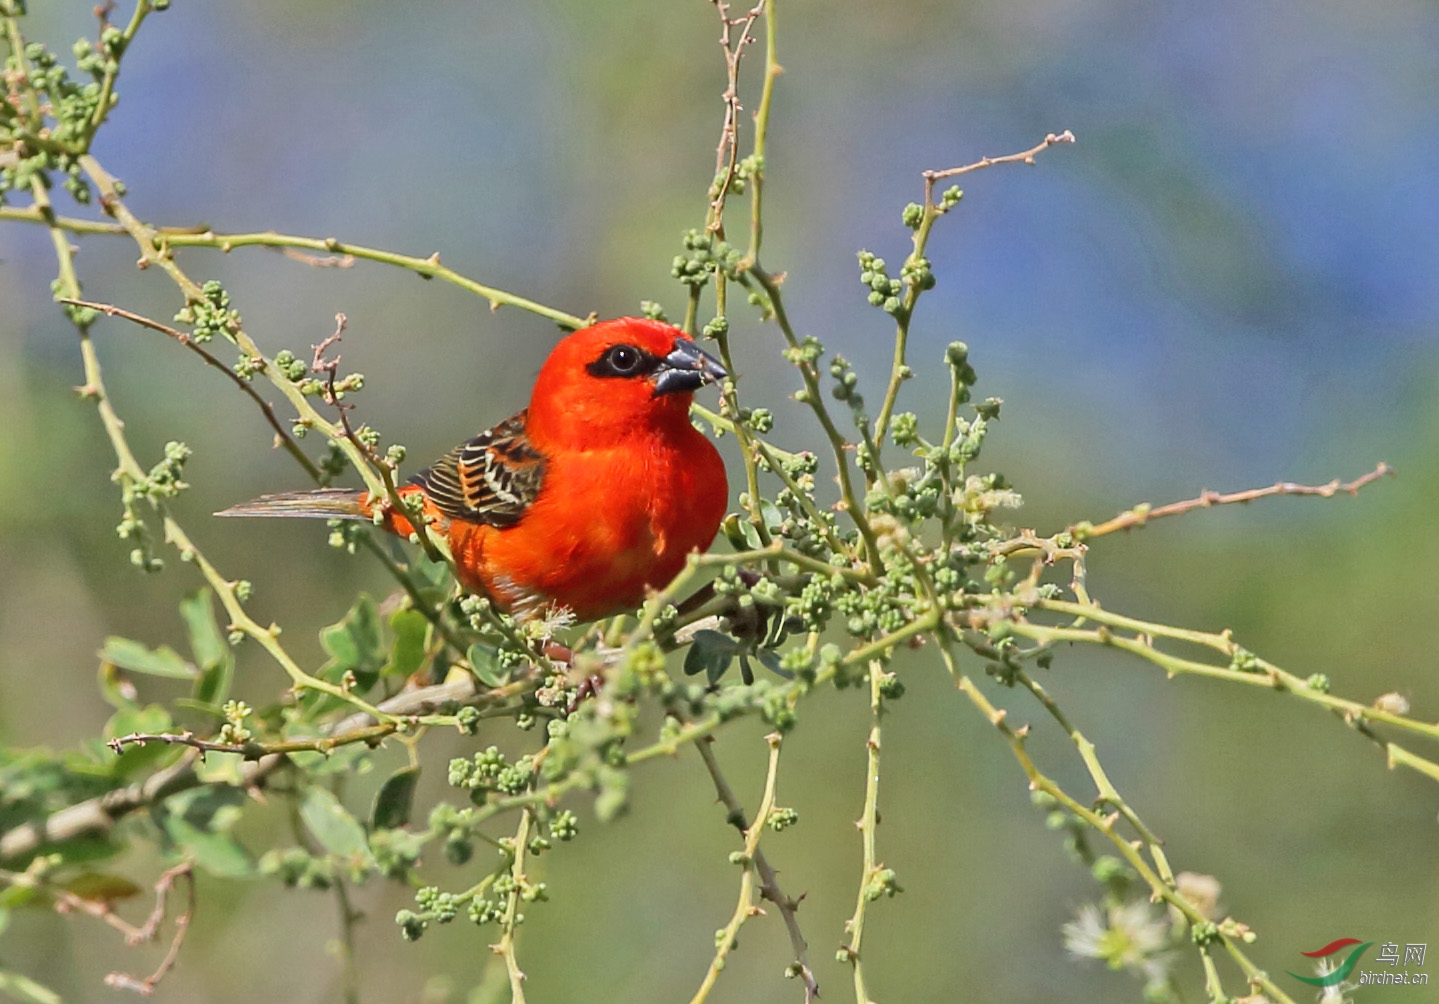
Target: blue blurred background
x,y
1229,280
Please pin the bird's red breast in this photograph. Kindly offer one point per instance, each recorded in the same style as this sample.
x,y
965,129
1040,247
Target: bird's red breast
x,y
598,490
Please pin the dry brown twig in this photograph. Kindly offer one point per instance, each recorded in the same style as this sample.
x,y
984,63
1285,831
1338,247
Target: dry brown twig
x,y
1023,157
163,885
65,901
727,153
282,435
1142,514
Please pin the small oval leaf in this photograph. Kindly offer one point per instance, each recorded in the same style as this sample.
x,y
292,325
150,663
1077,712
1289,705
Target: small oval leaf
x,y
131,655
331,824
395,799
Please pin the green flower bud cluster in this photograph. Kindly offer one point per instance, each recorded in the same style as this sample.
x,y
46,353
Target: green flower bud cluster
x,y
345,535
467,720
957,358
911,496
653,310
760,420
396,852
884,292
1244,661
291,368
782,818
412,927
799,662
458,827
917,273
81,317
565,825
210,315
1113,872
440,907
643,672
703,255
334,463
884,609
846,380
815,603
904,429
488,771
163,481
1060,819
247,366
807,353
891,687
1205,933
51,140
298,868
882,883
234,730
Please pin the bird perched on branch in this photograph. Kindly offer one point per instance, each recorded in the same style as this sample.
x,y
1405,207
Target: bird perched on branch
x,y
593,494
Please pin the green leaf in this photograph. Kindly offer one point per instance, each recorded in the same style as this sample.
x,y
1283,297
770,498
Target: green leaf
x,y
485,662
217,853
23,988
711,654
353,644
12,897
209,647
101,888
206,642
734,530
131,655
613,795
770,658
395,799
408,651
151,720
771,515
198,823
331,824
116,689
436,574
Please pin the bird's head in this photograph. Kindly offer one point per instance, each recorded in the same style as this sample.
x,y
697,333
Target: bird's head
x,y
617,378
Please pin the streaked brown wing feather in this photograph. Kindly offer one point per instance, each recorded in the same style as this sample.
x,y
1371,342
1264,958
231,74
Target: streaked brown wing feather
x,y
492,479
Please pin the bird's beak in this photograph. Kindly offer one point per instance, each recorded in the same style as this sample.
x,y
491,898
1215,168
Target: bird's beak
x,y
686,368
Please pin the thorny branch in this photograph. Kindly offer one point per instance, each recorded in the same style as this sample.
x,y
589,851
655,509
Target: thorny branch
x,y
146,986
66,901
769,880
1140,515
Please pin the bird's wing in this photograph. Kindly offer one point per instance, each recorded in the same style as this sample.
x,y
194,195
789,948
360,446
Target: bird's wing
x,y
492,479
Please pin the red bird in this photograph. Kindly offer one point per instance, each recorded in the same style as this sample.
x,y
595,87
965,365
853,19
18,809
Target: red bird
x,y
584,500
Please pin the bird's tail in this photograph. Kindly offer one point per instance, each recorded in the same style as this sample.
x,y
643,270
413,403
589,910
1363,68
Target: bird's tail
x,y
321,503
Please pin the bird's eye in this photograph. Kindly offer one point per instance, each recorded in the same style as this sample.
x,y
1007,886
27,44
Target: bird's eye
x,y
623,359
